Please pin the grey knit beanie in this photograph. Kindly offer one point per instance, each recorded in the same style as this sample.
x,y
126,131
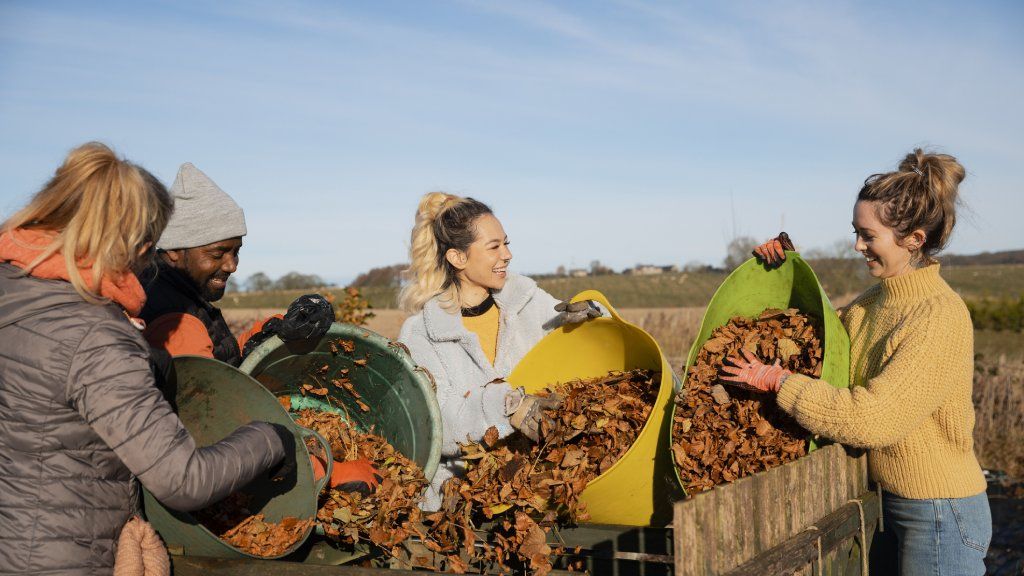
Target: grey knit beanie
x,y
203,213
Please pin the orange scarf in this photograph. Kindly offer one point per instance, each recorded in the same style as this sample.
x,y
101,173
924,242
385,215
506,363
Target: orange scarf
x,y
21,246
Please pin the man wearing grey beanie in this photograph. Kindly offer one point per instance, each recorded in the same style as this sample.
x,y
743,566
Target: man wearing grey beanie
x,y
198,252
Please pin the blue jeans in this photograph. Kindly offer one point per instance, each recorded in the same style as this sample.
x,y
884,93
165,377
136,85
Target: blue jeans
x,y
939,537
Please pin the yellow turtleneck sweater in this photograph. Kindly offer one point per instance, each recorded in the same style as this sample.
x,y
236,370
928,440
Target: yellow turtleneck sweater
x,y
912,367
485,326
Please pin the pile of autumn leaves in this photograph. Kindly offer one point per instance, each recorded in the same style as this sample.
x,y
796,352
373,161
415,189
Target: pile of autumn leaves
x,y
527,489
721,434
514,490
498,515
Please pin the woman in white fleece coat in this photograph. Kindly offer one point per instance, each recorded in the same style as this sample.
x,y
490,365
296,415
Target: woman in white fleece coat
x,y
472,322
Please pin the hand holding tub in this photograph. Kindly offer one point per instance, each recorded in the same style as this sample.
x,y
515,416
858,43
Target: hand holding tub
x,y
773,252
349,476
749,372
309,316
577,312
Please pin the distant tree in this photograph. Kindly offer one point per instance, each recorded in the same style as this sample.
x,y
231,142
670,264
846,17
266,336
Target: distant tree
x,y
598,269
297,281
390,276
232,285
259,282
560,271
738,251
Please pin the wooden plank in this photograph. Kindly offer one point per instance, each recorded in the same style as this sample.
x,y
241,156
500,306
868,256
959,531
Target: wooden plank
x,y
834,530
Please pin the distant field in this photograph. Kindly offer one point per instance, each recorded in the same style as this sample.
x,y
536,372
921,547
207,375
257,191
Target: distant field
x,y
673,328
691,289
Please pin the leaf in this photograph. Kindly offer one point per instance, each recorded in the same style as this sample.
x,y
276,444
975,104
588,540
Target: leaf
x,y
787,348
491,437
343,515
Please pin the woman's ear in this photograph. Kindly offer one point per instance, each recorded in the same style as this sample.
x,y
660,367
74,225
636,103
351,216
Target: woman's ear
x,y
915,240
457,258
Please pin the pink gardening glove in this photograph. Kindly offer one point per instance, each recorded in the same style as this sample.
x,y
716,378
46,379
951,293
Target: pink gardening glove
x,y
752,373
773,252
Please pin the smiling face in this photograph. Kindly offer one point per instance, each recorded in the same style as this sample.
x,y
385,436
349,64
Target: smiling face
x,y
887,256
484,265
208,266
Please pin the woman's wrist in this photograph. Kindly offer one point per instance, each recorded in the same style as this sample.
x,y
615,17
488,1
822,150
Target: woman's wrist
x,y
513,400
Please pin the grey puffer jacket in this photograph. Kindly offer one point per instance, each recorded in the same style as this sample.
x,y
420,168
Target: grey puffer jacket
x,y
470,392
80,420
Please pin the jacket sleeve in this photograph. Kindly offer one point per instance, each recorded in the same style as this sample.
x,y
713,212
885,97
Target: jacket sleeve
x,y
110,385
542,306
468,409
911,385
179,334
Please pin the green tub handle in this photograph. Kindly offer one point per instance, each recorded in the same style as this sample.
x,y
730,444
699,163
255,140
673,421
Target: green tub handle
x,y
329,466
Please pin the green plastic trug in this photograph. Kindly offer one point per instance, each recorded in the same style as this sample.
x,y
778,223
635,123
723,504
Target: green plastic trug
x,y
400,395
751,288
213,399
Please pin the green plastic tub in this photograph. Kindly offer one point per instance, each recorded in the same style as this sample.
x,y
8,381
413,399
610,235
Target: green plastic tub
x,y
400,395
213,399
751,288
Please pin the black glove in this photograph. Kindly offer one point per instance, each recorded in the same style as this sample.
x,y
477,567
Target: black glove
x,y
285,470
309,316
576,312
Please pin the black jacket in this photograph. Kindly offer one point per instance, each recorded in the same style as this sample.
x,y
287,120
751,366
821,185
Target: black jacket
x,y
172,292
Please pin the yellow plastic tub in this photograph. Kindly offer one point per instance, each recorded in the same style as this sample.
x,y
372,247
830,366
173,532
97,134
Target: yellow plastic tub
x,y
640,488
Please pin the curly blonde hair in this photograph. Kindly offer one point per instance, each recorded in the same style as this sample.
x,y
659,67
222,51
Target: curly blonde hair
x,y
443,221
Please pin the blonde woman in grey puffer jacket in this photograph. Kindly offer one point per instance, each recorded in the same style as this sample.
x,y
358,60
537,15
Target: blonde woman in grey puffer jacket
x,y
472,322
80,416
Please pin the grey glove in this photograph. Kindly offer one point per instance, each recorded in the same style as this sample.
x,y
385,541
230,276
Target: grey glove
x,y
528,415
576,312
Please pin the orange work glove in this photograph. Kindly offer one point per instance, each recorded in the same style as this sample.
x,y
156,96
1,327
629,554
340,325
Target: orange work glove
x,y
349,476
773,252
750,372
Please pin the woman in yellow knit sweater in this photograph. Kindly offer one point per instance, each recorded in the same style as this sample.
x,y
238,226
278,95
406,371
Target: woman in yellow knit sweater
x,y
911,365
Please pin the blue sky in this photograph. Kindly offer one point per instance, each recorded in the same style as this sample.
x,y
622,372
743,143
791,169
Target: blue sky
x,y
623,131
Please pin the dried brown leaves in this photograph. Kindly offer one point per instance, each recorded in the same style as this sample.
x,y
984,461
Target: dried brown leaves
x,y
526,487
720,435
387,515
232,521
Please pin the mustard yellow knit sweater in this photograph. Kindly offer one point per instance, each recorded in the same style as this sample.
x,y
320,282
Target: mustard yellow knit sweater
x,y
911,369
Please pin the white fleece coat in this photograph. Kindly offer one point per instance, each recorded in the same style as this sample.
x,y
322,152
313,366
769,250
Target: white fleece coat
x,y
470,399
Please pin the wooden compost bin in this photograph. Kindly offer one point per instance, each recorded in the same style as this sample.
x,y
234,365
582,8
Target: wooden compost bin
x,y
781,521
